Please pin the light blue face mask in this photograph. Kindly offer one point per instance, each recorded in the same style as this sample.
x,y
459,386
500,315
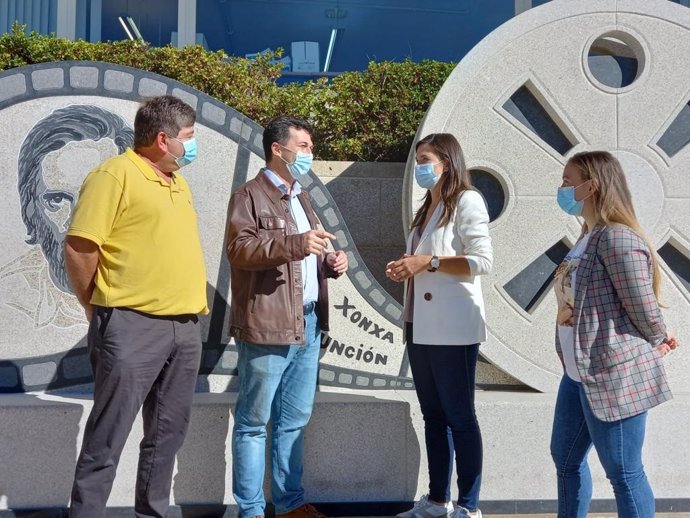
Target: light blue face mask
x,y
190,152
425,176
566,200
301,165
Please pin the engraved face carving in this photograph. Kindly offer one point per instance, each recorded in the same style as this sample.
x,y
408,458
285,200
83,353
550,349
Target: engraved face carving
x,y
55,157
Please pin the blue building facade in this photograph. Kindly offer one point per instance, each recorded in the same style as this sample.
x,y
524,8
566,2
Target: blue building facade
x,y
317,36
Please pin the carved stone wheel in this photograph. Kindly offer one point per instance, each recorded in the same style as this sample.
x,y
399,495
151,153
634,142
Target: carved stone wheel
x,y
562,78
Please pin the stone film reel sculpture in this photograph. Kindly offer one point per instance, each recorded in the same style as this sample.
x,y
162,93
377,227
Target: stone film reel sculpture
x,y
60,121
561,78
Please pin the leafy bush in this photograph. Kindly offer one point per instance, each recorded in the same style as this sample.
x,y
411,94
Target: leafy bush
x,y
368,116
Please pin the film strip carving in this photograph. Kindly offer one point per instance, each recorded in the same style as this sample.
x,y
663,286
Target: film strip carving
x,y
71,368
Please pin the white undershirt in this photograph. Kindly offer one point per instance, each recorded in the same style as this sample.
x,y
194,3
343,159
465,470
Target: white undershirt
x,y
310,279
566,333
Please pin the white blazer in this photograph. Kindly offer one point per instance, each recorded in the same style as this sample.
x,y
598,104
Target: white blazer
x,y
449,309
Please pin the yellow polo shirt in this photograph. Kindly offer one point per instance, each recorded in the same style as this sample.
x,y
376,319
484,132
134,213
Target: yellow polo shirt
x,y
150,255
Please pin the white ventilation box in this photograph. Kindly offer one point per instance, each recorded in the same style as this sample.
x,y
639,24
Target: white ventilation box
x,y
305,56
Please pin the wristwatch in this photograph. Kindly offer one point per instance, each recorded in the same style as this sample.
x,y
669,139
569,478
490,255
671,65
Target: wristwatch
x,y
434,264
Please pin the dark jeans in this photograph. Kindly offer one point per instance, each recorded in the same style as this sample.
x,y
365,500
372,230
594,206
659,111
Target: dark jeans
x,y
137,360
444,377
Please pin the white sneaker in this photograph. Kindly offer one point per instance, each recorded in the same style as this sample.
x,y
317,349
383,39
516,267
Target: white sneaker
x,y
461,512
423,508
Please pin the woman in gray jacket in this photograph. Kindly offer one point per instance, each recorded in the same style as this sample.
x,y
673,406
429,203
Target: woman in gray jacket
x,y
610,337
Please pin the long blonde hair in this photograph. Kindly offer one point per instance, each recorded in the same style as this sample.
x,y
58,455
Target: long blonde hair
x,y
612,199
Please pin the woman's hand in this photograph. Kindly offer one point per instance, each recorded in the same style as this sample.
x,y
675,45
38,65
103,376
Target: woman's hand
x,y
565,315
407,266
668,345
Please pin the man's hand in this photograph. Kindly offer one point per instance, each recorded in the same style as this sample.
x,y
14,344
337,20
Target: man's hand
x,y
316,241
81,262
88,311
337,261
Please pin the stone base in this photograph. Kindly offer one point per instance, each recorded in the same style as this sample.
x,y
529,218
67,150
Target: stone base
x,y
360,448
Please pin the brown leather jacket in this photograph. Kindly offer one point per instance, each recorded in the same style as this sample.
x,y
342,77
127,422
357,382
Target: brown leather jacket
x,y
265,250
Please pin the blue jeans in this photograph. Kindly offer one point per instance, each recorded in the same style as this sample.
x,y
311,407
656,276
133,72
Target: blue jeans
x,y
276,382
444,377
618,445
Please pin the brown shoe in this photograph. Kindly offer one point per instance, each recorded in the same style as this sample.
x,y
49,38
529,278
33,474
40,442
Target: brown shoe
x,y
303,511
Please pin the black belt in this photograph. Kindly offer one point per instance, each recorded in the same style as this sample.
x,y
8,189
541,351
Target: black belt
x,y
309,307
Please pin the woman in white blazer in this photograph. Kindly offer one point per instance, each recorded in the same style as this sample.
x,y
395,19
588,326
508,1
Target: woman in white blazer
x,y
448,249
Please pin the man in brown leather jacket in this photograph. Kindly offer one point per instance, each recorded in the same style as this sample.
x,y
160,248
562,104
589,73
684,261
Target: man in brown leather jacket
x,y
279,267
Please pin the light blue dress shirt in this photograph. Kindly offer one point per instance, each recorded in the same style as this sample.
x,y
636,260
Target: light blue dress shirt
x,y
310,280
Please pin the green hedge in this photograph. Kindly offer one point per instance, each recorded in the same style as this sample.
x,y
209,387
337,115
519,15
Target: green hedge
x,y
365,116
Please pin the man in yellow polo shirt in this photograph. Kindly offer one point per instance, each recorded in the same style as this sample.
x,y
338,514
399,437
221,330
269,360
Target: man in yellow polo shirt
x,y
134,261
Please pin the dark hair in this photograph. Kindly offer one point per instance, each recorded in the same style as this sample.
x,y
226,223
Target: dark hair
x,y
455,180
278,130
165,113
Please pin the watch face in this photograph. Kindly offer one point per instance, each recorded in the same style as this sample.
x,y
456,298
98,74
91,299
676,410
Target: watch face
x,y
435,262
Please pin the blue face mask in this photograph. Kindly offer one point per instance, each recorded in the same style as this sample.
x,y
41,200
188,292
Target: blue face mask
x,y
190,152
425,176
566,200
301,165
